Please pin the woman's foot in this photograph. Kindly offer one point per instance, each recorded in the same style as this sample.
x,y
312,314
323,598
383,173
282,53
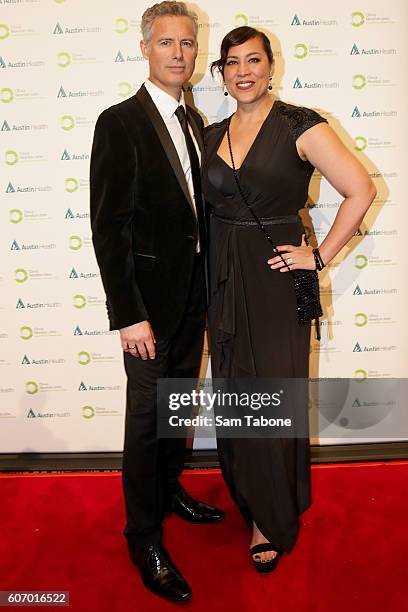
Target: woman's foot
x,y
258,538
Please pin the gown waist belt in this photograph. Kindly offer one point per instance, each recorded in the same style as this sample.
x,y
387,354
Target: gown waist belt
x,y
264,220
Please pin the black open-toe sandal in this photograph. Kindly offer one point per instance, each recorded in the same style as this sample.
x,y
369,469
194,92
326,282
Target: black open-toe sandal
x,y
264,567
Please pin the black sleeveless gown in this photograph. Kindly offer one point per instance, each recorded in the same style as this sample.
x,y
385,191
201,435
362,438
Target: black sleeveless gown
x,y
252,319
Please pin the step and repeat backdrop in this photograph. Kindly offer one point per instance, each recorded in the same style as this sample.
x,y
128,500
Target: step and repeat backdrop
x,y
62,62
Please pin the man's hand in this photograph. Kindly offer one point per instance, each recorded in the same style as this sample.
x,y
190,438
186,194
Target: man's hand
x,y
139,340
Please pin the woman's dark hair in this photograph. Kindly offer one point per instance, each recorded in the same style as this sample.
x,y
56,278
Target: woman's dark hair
x,y
236,37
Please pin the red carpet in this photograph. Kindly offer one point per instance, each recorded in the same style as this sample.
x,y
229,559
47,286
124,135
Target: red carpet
x,y
63,531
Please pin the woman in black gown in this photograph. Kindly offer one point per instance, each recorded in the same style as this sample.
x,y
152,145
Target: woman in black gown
x,y
254,329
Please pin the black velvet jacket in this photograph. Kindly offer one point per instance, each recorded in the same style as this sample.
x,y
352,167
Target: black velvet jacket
x,y
144,227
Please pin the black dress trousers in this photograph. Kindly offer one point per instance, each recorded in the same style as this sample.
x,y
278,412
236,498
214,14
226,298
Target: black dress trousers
x,y
151,466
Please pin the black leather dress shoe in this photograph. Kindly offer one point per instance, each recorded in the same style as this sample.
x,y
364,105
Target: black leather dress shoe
x,y
158,572
192,510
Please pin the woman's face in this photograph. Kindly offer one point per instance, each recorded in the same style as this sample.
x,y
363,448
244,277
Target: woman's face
x,y
247,71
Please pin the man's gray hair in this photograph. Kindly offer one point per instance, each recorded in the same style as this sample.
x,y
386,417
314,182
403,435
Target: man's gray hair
x,y
164,9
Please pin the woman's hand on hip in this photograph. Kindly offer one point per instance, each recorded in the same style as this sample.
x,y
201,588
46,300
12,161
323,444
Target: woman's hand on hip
x,y
296,257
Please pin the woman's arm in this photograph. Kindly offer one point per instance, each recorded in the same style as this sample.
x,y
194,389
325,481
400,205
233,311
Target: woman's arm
x,y
321,146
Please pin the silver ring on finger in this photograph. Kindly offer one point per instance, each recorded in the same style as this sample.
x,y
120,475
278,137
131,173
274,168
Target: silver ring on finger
x,y
290,260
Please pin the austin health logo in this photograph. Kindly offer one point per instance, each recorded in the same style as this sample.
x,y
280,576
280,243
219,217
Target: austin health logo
x,y
25,360
297,84
10,188
73,274
20,304
357,291
354,50
295,21
119,57
2,63
356,112
69,214
31,414
82,387
61,93
58,29
5,127
15,246
357,348
65,156
78,331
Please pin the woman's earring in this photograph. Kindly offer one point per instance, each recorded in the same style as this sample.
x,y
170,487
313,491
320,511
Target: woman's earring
x,y
270,86
225,92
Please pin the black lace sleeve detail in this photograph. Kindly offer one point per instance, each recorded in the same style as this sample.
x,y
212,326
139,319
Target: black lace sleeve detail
x,y
300,118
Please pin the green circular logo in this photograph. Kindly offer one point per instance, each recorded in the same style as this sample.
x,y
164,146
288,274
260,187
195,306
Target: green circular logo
x,y
31,387
241,19
84,358
360,143
20,275
360,375
357,19
79,301
67,122
11,157
300,51
71,184
59,1
360,262
124,89
88,412
121,25
6,95
15,215
4,31
75,243
360,319
359,81
26,333
64,59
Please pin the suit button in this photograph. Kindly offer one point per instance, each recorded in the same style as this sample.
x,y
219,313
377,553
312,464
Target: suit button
x,y
190,237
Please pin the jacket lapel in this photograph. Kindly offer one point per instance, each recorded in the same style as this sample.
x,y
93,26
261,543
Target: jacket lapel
x,y
167,143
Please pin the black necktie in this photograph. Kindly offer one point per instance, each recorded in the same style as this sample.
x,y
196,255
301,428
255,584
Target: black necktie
x,y
196,175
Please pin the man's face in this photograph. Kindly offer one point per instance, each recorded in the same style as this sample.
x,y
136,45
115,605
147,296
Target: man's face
x,y
171,52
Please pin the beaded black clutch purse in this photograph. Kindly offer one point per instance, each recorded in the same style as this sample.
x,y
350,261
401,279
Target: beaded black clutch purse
x,y
308,298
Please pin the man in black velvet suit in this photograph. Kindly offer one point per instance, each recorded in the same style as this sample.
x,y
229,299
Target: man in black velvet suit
x,y
148,229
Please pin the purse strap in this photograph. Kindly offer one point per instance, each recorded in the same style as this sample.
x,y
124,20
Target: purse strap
x,y
244,198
